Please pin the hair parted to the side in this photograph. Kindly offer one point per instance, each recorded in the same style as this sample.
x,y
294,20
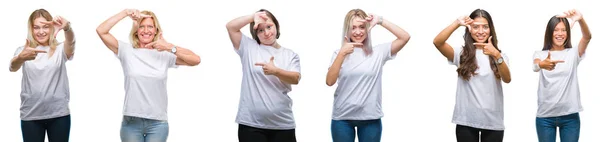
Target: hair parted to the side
x,y
133,37
52,42
272,17
468,62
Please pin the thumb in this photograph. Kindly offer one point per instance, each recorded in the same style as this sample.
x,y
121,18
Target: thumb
x,y
346,39
548,55
27,43
272,58
160,36
490,40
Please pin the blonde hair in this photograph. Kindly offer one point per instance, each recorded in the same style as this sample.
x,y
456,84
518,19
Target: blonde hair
x,y
133,37
52,42
348,26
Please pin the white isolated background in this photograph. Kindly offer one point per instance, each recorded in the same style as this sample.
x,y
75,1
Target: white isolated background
x,y
418,86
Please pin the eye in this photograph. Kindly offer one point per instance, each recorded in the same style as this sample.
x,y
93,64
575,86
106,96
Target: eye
x,y
268,27
260,31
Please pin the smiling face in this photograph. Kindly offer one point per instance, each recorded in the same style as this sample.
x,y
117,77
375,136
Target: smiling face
x,y
146,31
267,33
480,30
559,36
41,31
358,30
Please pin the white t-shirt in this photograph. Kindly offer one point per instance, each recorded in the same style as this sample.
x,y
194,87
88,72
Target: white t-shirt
x,y
479,101
558,90
145,72
264,102
358,94
45,85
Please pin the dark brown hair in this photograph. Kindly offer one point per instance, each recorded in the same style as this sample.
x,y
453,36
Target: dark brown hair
x,y
468,62
272,17
550,32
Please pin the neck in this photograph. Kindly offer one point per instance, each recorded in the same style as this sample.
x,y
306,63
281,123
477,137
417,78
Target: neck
x,y
274,45
557,47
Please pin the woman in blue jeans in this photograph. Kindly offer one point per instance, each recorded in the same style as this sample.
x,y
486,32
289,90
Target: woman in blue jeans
x,y
558,91
145,61
357,68
45,85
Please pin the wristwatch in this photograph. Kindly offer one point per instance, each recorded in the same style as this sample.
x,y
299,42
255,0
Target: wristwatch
x,y
174,49
499,60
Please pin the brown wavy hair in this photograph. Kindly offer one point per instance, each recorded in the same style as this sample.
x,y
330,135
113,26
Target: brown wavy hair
x,y
468,62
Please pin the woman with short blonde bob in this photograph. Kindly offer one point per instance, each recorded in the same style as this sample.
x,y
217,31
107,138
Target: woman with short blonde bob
x,y
45,85
145,61
357,68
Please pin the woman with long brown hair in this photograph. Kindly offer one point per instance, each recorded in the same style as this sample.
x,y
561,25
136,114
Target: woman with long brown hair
x,y
481,70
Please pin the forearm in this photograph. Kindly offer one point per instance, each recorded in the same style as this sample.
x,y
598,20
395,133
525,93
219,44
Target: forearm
x,y
105,27
289,77
69,41
238,23
190,58
441,38
16,63
396,30
334,70
503,69
585,30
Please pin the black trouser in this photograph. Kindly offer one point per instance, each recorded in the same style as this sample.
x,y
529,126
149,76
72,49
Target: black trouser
x,y
58,129
251,134
470,134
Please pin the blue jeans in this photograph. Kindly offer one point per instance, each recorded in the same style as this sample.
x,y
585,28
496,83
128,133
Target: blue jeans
x,y
568,126
135,129
368,130
58,129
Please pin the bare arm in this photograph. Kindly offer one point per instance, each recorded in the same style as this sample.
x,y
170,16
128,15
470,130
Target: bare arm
x,y
69,43
103,31
586,36
16,63
334,70
402,36
289,77
504,71
440,41
186,57
234,26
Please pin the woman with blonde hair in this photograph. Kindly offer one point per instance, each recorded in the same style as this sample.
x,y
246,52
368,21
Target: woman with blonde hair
x,y
357,68
482,67
145,61
45,85
559,100
269,71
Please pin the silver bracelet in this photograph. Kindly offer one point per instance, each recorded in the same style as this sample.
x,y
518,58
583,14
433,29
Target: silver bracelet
x,y
380,20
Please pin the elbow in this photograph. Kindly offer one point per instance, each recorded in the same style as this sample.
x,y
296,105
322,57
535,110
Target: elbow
x,y
506,80
99,31
196,62
436,43
229,26
330,83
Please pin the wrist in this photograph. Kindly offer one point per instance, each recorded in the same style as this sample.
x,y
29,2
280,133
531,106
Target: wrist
x,y
68,27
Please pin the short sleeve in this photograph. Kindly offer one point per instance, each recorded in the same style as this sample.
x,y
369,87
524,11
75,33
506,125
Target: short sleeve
x,y
172,60
576,52
17,52
295,63
537,55
457,52
505,59
385,50
124,49
245,43
335,53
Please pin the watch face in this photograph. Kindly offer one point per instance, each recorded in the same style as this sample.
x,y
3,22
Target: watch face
x,y
500,60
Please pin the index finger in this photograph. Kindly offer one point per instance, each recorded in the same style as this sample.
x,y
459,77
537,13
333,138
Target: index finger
x,y
259,64
557,61
39,51
479,43
47,22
